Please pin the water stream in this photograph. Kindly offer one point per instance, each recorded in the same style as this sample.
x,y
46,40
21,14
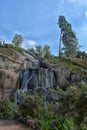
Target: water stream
x,y
34,77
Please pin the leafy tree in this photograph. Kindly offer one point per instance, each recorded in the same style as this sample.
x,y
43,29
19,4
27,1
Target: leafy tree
x,y
39,50
17,40
31,50
82,55
68,38
46,51
43,51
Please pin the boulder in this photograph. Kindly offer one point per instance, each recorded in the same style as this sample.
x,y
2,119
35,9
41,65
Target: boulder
x,y
77,78
32,123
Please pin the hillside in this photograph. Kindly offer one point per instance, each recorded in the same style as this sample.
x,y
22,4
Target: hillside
x,y
53,91
76,65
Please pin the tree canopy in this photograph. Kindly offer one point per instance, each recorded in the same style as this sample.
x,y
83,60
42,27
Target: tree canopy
x,y
68,38
43,51
17,40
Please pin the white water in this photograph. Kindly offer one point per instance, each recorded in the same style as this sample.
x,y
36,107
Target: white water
x,y
36,77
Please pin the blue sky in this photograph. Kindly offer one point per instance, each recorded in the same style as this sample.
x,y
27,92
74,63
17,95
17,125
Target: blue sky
x,y
36,20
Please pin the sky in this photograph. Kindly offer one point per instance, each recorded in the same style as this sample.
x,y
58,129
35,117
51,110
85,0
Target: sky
x,y
36,21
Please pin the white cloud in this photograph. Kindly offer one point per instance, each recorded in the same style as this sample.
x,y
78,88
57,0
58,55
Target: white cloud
x,y
29,43
81,2
86,13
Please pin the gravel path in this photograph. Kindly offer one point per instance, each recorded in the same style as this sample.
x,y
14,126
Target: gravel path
x,y
12,125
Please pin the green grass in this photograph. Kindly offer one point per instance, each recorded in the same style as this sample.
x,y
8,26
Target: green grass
x,y
10,59
74,64
9,51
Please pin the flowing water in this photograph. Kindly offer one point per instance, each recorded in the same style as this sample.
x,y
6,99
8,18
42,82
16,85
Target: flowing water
x,y
33,77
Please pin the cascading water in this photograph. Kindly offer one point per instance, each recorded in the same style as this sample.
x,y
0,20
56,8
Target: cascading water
x,y
34,77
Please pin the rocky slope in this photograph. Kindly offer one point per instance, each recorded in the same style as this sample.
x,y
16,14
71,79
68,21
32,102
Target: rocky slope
x,y
36,73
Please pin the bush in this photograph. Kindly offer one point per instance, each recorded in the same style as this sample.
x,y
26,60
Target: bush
x,y
31,105
10,46
8,109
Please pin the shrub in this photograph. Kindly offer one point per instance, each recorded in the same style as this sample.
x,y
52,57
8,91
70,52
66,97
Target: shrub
x,y
31,105
8,109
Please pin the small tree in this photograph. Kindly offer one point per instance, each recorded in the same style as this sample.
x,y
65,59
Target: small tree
x,y
46,50
39,50
17,40
43,51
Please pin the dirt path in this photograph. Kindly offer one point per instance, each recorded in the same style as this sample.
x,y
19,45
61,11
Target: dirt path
x,y
12,125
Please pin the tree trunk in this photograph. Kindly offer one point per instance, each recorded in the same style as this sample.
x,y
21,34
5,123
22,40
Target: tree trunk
x,y
60,44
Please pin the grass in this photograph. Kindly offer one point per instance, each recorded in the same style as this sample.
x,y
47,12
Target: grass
x,y
9,51
76,65
4,55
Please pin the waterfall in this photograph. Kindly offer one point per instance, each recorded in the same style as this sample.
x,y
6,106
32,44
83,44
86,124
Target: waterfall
x,y
34,77
52,77
46,77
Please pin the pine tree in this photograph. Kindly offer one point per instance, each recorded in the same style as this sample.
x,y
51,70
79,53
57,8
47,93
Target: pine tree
x,y
68,38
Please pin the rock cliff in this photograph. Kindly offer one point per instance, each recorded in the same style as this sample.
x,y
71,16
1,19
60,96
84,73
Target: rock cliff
x,y
31,73
10,63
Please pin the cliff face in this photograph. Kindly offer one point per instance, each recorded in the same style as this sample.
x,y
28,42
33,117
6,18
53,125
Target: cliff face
x,y
8,81
35,73
10,63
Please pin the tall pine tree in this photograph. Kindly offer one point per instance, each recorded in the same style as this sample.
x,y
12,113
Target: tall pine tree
x,y
68,38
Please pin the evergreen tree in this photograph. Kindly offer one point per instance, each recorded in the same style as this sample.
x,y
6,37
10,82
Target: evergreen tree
x,y
68,38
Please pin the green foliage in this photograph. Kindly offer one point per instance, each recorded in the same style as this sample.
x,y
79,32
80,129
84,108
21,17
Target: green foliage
x,y
82,55
61,123
46,119
31,105
73,103
8,109
1,45
84,124
67,123
43,51
68,37
10,47
31,50
74,64
39,50
46,50
17,40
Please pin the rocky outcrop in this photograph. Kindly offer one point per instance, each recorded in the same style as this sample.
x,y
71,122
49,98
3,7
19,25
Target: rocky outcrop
x,y
10,63
77,78
10,59
7,83
35,74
